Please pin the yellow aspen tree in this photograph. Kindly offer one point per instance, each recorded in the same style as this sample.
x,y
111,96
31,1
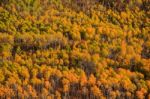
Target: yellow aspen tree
x,y
92,80
83,79
96,91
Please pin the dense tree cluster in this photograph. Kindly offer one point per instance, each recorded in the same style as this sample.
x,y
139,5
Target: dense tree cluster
x,y
74,49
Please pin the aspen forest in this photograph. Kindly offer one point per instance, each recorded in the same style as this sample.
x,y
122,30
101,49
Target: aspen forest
x,y
74,49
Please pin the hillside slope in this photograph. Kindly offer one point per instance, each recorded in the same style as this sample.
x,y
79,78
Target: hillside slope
x,y
74,49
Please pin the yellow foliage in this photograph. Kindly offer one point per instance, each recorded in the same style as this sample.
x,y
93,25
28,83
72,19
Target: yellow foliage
x,y
92,80
96,91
